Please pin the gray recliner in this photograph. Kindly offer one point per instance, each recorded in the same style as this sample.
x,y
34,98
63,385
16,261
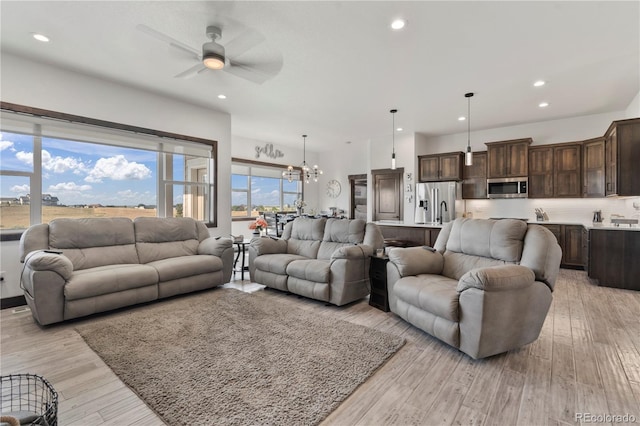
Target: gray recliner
x,y
485,288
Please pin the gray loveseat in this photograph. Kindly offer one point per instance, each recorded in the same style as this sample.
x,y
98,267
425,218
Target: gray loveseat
x,y
485,289
323,259
78,267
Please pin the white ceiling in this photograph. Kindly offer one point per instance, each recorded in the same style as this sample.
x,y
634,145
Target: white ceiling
x,y
343,68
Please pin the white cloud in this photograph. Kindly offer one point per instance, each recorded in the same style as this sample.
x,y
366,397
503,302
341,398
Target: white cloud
x,y
55,164
117,168
69,187
20,189
25,157
6,145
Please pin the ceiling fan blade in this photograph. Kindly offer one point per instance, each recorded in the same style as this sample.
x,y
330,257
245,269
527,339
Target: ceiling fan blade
x,y
257,72
191,72
169,40
243,43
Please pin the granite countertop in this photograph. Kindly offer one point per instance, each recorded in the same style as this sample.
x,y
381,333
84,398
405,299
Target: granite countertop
x,y
588,225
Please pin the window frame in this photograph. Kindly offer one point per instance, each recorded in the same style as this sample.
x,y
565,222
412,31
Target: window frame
x,y
35,176
262,164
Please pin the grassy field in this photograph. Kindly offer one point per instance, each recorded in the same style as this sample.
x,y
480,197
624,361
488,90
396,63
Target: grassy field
x,y
17,217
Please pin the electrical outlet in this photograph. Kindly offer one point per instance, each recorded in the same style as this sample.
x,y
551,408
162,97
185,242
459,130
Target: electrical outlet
x,y
2,273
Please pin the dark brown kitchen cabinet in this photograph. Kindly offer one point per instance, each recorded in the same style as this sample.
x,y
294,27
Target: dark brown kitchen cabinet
x,y
440,167
593,168
622,156
541,172
508,158
567,170
474,177
555,170
613,258
570,239
572,250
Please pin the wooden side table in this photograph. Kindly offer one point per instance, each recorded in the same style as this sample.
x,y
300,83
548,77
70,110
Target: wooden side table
x,y
378,278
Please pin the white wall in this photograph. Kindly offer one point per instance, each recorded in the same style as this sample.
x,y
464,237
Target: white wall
x,y
245,148
542,133
43,86
633,110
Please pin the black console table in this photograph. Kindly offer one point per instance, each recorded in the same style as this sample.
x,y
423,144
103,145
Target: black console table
x,y
378,278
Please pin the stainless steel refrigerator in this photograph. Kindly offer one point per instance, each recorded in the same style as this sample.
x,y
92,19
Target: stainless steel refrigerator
x,y
436,202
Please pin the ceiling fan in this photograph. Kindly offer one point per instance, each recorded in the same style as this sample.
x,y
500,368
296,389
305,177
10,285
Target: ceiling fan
x,y
218,57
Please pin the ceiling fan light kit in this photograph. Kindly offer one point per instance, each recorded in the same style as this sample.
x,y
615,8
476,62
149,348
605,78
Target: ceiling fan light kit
x,y
213,53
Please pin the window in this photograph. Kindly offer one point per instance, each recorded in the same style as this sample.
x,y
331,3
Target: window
x,y
258,187
88,168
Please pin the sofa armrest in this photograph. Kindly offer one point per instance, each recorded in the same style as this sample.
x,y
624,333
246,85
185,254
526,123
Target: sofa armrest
x,y
416,260
267,245
360,251
214,247
43,261
497,278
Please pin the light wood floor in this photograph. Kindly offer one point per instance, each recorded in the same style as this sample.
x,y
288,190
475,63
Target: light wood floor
x,y
587,360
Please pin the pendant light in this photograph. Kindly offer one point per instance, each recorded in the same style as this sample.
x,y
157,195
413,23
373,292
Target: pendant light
x,y
307,172
468,157
393,138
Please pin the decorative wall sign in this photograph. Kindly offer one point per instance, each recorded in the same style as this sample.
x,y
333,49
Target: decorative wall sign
x,y
268,150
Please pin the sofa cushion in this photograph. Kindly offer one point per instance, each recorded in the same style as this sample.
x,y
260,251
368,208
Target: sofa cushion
x,y
94,242
455,265
498,239
163,238
108,279
317,271
304,236
186,266
344,231
276,263
328,248
432,293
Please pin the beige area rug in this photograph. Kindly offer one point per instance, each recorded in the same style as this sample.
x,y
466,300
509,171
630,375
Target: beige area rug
x,y
225,357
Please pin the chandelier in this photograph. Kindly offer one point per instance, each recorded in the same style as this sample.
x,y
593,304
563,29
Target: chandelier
x,y
308,173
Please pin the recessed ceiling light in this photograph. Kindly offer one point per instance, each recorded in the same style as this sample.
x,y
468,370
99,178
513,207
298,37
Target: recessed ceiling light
x,y
399,129
539,83
41,37
222,97
398,24
348,142
543,104
462,118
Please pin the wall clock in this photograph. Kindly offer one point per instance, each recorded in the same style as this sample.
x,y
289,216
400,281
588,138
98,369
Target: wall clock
x,y
333,188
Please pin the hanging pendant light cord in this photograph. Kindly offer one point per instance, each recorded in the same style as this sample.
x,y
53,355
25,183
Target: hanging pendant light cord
x,y
468,121
393,131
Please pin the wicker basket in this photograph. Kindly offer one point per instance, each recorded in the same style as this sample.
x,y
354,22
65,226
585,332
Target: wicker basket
x,y
29,398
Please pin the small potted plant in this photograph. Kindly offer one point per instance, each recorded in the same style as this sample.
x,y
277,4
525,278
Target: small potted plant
x,y
258,226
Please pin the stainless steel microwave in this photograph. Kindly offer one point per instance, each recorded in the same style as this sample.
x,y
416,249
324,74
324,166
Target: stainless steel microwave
x,y
507,187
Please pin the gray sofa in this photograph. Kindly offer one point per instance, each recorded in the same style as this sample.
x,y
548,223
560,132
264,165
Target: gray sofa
x,y
78,267
485,289
323,259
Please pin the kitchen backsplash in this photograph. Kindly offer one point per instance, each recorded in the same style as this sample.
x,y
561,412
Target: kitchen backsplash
x,y
559,210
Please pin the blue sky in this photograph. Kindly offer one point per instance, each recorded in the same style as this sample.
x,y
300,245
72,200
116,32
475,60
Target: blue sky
x,y
81,173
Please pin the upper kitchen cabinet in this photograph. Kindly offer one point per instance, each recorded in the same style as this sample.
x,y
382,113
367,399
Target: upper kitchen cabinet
x,y
593,168
541,172
508,158
474,177
555,171
440,167
622,156
567,170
